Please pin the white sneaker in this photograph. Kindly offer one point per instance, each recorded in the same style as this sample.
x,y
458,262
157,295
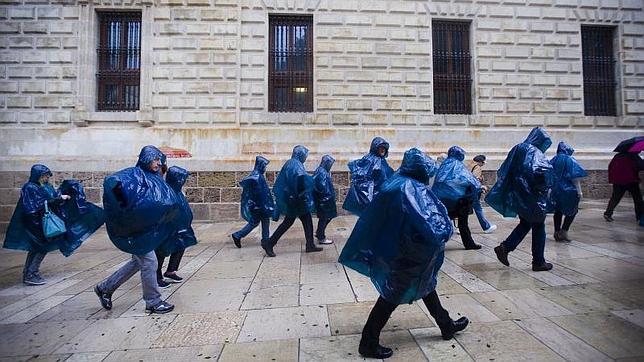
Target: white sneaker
x,y
490,230
325,242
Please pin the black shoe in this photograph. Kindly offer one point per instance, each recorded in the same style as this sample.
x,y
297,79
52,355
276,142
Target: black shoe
x,y
374,350
313,249
163,284
236,240
161,308
608,218
268,249
105,298
454,326
174,278
502,255
542,267
473,247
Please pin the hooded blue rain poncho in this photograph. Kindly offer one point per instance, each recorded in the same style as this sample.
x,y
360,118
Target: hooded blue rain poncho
x,y
81,218
141,209
184,236
256,199
454,181
367,176
563,196
399,240
523,180
293,187
323,190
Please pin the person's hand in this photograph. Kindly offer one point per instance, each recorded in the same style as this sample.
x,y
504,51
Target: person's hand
x,y
65,197
485,189
581,195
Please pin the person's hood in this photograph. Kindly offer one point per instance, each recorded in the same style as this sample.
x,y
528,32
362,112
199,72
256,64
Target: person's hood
x,y
37,171
327,162
417,165
539,138
300,153
565,148
456,152
176,177
260,164
379,142
148,154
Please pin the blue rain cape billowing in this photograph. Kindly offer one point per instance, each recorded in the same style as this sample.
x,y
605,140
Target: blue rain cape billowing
x,y
256,199
323,190
399,240
563,196
293,187
523,179
454,182
141,209
184,236
81,218
367,176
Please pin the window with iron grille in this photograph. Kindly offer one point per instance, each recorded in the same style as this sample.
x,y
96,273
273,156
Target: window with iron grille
x,y
599,70
452,73
290,61
119,61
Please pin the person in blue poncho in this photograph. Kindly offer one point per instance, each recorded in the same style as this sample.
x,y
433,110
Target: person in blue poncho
x,y
566,191
521,188
399,242
293,191
142,211
184,237
257,205
367,176
457,188
25,231
324,196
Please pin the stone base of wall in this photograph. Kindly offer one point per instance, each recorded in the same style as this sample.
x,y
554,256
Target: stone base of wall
x,y
214,195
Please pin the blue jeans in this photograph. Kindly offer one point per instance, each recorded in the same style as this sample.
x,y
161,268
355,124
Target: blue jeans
x,y
478,209
251,226
538,239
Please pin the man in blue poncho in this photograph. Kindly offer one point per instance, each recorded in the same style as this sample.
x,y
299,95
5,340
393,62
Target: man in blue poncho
x,y
183,238
367,176
324,195
293,191
566,191
25,231
141,212
457,188
399,242
257,205
521,189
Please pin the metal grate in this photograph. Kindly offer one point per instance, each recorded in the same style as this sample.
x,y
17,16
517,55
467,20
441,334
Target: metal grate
x,y
599,70
452,73
119,61
290,74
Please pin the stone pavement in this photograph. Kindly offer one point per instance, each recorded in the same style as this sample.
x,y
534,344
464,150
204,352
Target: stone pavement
x,y
236,304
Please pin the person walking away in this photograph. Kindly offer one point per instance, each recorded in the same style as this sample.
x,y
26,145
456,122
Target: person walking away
x,y
566,190
623,174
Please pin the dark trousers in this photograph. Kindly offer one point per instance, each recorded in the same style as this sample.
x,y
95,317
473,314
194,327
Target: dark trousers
x,y
618,193
567,221
307,223
464,229
320,233
32,264
538,239
173,264
381,312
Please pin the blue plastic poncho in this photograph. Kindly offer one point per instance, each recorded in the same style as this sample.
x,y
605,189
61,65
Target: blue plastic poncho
x,y
399,240
82,218
564,196
293,187
323,190
523,180
256,199
141,209
184,236
367,176
454,182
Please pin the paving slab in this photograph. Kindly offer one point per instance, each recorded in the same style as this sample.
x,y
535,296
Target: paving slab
x,y
285,323
270,351
349,318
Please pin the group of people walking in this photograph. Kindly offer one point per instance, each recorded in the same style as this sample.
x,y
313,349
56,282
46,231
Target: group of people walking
x,y
398,241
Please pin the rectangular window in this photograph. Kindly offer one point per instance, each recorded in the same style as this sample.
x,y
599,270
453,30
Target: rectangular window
x,y
290,63
119,61
452,73
599,70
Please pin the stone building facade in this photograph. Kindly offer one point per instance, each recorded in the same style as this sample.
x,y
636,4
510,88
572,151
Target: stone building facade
x,y
204,86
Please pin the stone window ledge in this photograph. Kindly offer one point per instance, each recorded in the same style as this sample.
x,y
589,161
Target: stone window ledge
x,y
83,118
